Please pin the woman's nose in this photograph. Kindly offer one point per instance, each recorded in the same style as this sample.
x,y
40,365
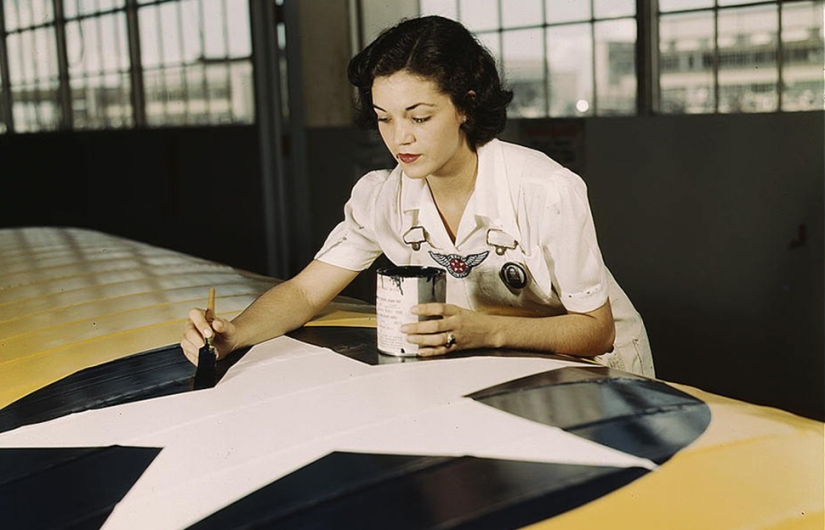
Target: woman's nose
x,y
403,133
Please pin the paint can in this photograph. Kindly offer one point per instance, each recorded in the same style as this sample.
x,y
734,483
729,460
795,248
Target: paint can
x,y
398,290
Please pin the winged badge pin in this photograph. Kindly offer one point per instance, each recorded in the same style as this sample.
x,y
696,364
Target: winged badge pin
x,y
459,266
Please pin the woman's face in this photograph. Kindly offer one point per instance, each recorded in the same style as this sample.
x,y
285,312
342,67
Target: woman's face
x,y
420,125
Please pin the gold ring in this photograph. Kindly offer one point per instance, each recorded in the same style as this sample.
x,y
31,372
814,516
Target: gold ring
x,y
450,340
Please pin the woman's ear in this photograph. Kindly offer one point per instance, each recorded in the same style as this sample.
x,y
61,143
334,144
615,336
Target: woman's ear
x,y
469,99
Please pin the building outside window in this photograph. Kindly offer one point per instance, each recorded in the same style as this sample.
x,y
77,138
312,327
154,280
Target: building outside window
x,y
578,58
97,49
560,58
80,64
34,79
739,56
84,64
196,61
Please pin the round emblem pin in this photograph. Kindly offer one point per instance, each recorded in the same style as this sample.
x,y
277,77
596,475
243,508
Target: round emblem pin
x,y
514,275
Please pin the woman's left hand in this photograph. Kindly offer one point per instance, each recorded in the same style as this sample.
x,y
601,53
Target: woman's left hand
x,y
458,329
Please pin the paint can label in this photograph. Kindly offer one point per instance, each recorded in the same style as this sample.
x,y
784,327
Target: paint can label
x,y
398,290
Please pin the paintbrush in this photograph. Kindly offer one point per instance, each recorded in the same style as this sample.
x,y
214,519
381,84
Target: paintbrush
x,y
206,374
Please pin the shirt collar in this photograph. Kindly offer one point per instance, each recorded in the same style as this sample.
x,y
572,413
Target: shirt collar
x,y
492,199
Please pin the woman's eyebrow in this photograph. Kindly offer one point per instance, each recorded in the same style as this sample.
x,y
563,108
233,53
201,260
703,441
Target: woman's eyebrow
x,y
411,107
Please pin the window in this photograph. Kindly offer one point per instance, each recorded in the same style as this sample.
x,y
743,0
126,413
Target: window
x,y
578,58
31,49
196,59
97,48
740,56
560,57
82,64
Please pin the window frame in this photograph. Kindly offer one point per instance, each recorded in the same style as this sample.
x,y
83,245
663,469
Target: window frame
x,y
134,73
647,51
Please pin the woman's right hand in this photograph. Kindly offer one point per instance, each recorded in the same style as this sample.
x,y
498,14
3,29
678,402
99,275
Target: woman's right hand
x,y
222,331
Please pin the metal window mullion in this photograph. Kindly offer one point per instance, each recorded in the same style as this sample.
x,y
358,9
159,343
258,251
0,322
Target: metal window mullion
x,y
38,80
5,74
207,101
27,110
227,63
545,59
647,57
162,68
183,69
138,94
594,52
716,89
780,59
67,117
119,54
101,72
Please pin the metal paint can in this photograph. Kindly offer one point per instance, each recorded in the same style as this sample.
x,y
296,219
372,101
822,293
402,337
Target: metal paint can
x,y
398,290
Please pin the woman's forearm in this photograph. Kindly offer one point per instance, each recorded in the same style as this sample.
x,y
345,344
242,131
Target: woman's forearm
x,y
291,304
279,310
580,334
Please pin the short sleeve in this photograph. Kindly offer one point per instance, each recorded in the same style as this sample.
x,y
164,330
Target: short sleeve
x,y
578,271
352,244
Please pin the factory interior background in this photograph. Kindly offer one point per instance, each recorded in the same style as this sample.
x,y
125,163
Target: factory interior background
x,y
223,129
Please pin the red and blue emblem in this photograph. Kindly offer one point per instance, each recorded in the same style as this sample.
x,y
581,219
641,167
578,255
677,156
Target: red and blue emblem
x,y
458,266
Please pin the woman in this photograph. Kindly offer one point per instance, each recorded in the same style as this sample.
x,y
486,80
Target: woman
x,y
512,227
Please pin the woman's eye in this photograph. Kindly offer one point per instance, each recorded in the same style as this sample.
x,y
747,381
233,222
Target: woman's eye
x,y
383,120
421,120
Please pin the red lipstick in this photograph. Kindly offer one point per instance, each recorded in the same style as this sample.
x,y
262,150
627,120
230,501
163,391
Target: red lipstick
x,y
407,158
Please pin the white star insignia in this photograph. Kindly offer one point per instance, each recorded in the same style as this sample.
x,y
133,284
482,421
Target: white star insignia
x,y
287,404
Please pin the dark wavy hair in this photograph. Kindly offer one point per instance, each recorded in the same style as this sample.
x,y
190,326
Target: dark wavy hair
x,y
444,51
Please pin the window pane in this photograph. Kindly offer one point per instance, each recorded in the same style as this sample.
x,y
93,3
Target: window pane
x,y
748,74
516,13
686,55
171,44
570,61
73,8
174,96
33,76
479,15
27,13
214,23
149,37
113,42
736,2
42,11
614,8
566,11
219,103
491,42
192,37
190,57
445,8
238,28
523,57
803,55
153,86
615,58
243,94
676,5
10,14
98,72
